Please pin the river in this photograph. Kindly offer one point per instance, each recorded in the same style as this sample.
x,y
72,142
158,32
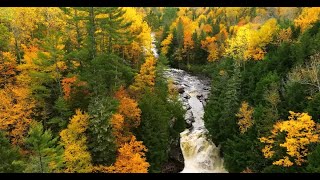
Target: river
x,y
200,154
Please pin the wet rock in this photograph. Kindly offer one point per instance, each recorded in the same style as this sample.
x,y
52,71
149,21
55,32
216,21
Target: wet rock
x,y
188,124
186,107
186,96
180,89
189,119
184,101
175,162
199,96
188,116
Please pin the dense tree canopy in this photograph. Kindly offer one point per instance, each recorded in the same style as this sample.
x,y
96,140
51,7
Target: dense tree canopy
x,y
82,91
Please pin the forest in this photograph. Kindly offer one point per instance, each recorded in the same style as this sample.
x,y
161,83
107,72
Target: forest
x,y
81,90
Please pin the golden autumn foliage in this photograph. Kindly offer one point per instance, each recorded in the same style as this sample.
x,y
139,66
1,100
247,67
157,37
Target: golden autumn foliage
x,y
135,49
129,109
131,153
131,158
249,42
165,44
76,156
117,122
7,68
209,40
257,40
210,45
187,41
284,35
307,17
127,117
15,112
16,104
66,86
207,28
245,117
121,93
28,65
146,77
69,83
300,131
238,44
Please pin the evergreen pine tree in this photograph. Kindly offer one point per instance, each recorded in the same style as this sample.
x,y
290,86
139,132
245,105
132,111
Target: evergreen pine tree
x,y
46,155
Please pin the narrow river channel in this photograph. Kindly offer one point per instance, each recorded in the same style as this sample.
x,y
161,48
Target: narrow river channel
x,y
200,154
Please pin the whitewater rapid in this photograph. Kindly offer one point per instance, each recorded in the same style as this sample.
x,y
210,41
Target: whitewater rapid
x,y
200,154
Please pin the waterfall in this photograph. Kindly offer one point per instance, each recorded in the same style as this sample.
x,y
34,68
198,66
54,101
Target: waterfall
x,y
200,154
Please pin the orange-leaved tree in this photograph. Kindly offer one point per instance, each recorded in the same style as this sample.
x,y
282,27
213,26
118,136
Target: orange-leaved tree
x,y
131,159
127,118
16,105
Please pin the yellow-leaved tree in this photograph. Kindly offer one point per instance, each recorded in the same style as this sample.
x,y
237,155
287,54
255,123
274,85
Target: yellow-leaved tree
x,y
117,121
245,117
146,77
258,40
295,135
307,17
165,44
140,29
76,157
250,42
238,44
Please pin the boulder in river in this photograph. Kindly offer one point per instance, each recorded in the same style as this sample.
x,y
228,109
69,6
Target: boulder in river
x,y
188,124
199,96
186,96
189,115
180,89
186,106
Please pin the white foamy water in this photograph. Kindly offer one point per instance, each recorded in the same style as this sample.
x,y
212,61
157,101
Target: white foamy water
x,y
200,154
